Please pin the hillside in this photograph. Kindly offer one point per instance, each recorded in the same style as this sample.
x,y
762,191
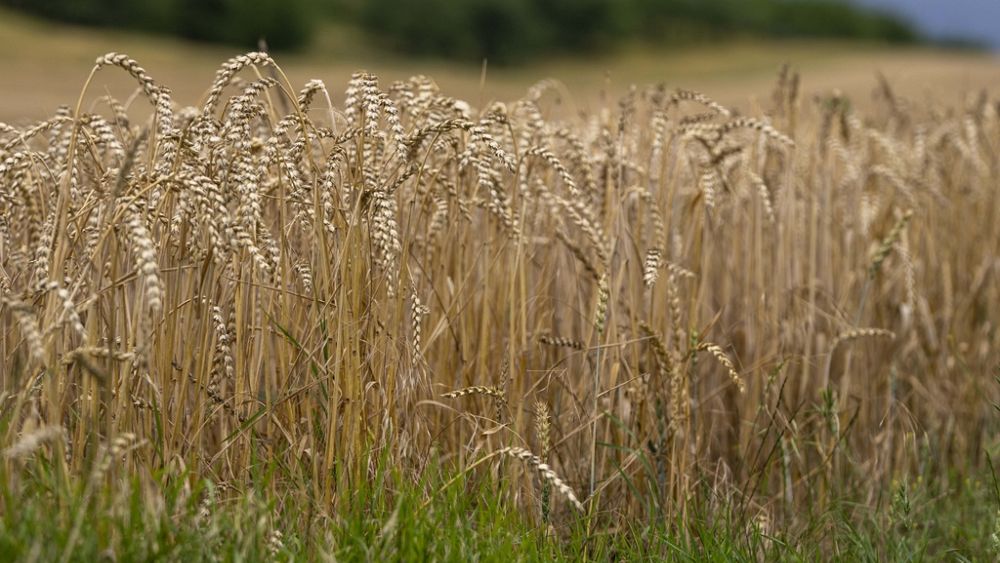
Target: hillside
x,y
45,63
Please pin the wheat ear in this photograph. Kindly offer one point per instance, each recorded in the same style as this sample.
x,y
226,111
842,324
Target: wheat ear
x,y
545,472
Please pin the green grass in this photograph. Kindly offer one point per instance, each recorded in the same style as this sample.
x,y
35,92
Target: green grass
x,y
51,517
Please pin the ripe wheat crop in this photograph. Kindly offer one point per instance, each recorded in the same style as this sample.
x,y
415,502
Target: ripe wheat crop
x,y
611,310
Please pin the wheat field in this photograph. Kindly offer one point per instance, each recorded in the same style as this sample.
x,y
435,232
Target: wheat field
x,y
618,316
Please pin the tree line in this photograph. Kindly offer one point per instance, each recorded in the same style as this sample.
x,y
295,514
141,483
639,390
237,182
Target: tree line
x,y
504,31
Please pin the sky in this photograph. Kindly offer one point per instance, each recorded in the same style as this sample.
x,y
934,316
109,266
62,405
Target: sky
x,y
973,19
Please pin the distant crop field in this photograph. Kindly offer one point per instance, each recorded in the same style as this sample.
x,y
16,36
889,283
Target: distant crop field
x,y
285,322
47,63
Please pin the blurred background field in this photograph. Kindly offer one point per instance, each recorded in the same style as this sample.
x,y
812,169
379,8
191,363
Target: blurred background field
x,y
46,60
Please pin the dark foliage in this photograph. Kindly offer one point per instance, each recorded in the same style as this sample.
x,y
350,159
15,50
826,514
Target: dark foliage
x,y
503,31
284,24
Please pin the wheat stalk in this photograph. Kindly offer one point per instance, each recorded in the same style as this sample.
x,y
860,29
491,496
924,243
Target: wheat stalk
x,y
545,472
